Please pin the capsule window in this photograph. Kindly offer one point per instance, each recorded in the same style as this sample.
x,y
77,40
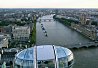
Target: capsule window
x,y
70,62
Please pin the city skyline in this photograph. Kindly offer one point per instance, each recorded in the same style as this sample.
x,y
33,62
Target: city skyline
x,y
48,4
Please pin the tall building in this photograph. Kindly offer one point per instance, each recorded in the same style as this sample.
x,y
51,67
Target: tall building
x,y
3,42
83,17
21,33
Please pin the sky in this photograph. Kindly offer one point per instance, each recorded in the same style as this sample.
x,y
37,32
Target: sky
x,y
48,3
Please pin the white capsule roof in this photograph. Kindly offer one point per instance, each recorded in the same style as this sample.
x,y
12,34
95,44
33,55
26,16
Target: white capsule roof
x,y
44,52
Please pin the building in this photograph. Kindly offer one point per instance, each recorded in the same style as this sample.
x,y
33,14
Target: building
x,y
2,35
21,33
89,32
3,42
6,29
7,57
44,56
83,18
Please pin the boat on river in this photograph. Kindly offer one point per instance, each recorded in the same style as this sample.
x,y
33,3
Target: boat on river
x,y
46,35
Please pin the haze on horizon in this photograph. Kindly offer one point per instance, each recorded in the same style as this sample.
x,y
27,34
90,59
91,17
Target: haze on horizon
x,y
48,3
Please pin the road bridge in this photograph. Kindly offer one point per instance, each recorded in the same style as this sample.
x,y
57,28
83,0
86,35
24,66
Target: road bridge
x,y
79,45
45,20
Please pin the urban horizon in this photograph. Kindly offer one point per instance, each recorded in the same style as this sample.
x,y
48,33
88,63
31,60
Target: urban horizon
x,y
33,36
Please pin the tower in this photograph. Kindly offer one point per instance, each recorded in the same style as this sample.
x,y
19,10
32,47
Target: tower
x,y
83,18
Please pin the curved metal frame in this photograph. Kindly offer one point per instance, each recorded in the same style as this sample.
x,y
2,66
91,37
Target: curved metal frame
x,y
56,58
35,57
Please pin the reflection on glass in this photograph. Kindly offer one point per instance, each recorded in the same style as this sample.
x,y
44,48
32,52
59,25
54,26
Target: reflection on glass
x,y
46,64
62,62
23,63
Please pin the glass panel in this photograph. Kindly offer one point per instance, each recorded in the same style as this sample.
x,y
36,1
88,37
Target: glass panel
x,y
28,64
46,64
18,61
24,64
28,67
70,63
70,57
17,66
62,62
60,52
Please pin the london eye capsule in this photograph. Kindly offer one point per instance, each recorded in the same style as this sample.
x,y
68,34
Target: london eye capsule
x,y
44,56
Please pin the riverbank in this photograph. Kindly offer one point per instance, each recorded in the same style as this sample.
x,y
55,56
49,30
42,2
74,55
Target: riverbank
x,y
33,35
82,31
90,34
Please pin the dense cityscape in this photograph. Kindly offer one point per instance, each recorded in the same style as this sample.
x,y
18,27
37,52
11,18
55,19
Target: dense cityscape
x,y
21,29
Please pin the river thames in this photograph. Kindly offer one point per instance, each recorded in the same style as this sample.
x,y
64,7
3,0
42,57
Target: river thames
x,y
59,34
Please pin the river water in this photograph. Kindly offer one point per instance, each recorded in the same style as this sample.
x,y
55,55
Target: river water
x,y
59,34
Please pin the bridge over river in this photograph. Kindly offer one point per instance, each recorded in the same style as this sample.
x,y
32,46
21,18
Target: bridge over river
x,y
45,20
80,45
